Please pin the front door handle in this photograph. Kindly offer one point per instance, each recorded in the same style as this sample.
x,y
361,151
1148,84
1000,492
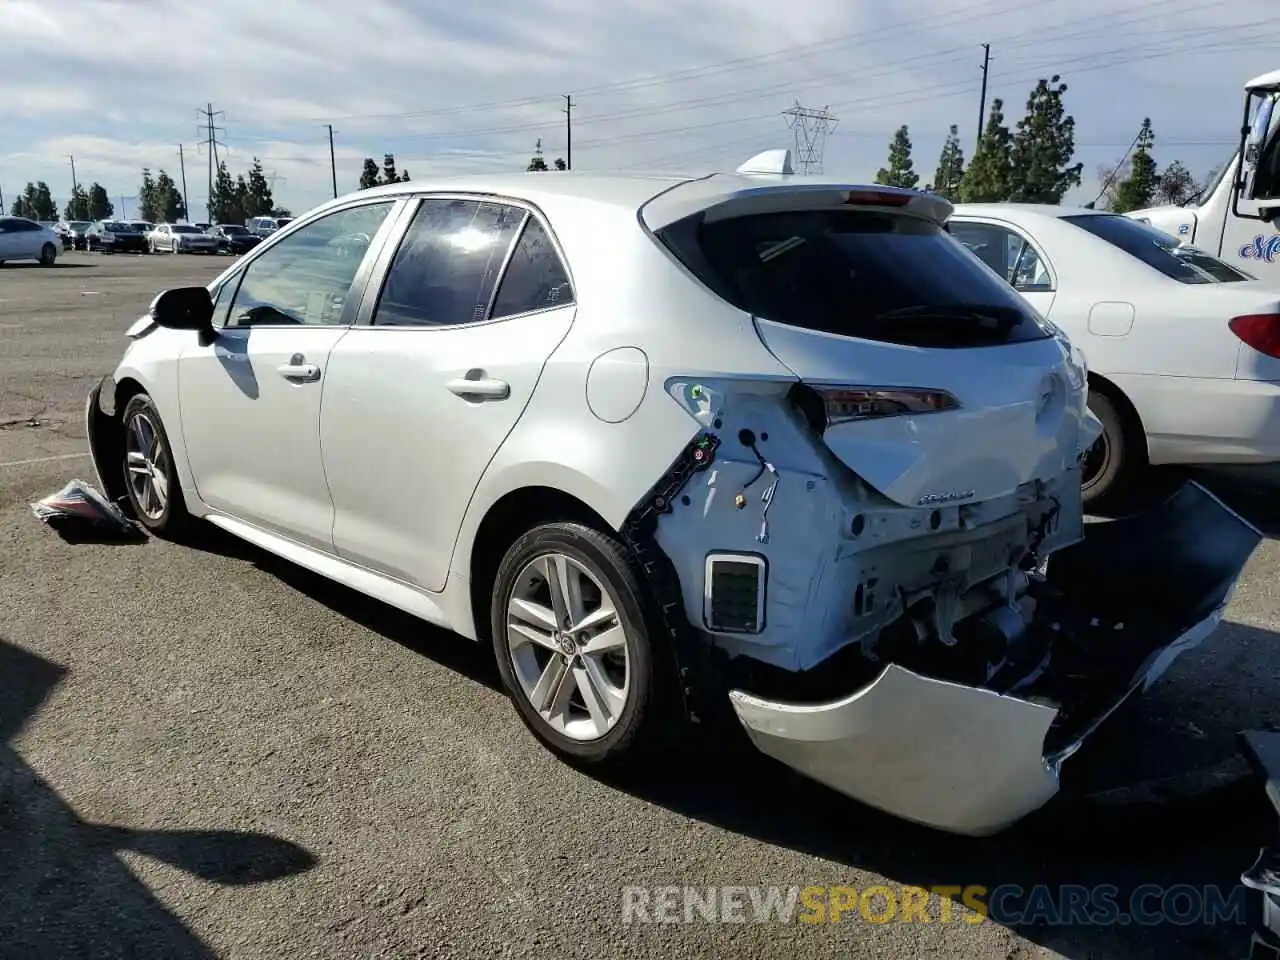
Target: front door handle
x,y
480,389
304,372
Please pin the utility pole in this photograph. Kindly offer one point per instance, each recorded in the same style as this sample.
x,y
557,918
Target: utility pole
x,y
568,131
982,104
75,186
811,127
210,130
182,166
333,165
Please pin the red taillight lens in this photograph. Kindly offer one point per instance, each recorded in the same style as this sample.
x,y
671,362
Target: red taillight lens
x,y
851,404
878,198
1261,331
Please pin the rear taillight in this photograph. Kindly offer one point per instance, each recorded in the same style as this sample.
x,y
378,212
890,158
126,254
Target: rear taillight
x,y
828,406
1261,331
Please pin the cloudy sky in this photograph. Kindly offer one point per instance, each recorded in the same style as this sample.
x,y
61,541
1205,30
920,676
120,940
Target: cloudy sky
x,y
660,84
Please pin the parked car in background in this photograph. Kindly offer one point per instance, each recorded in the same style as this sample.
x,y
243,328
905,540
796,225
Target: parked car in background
x,y
142,226
76,231
202,227
265,226
180,238
233,238
813,513
23,239
114,236
1183,348
62,229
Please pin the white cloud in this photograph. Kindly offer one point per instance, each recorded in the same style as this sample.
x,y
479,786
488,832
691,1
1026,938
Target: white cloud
x,y
451,87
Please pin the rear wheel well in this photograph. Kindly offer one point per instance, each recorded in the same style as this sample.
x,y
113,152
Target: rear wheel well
x,y
514,514
126,390
1123,406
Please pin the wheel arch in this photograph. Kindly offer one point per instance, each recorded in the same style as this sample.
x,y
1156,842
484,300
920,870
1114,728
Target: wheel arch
x,y
514,513
1124,406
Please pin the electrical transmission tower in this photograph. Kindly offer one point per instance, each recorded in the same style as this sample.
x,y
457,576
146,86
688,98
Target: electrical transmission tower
x,y
810,127
209,130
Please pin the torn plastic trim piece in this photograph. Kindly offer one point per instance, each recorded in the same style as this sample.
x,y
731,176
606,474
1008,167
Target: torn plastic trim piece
x,y
105,434
638,533
906,742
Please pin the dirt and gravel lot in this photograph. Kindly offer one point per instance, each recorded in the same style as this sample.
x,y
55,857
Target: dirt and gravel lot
x,y
209,753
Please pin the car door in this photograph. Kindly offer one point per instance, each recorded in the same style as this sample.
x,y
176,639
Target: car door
x,y
250,400
1011,253
9,239
419,399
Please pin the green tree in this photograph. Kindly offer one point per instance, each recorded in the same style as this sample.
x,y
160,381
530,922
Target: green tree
x,y
389,174
35,203
224,203
988,178
77,207
536,164
1176,185
100,205
560,164
369,174
1043,146
899,173
1139,188
946,179
167,200
147,206
258,199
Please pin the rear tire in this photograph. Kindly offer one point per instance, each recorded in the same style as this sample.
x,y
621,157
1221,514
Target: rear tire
x,y
1117,460
48,255
151,478
598,693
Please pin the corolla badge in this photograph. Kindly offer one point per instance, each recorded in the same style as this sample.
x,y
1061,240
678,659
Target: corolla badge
x,y
949,497
1266,249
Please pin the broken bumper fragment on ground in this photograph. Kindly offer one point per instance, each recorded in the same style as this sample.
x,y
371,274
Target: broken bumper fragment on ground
x,y
78,507
973,746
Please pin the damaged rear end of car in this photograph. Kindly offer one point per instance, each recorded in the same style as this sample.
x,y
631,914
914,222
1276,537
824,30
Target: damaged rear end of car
x,y
879,567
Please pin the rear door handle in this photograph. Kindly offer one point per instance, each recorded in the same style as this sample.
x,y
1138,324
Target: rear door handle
x,y
482,389
305,372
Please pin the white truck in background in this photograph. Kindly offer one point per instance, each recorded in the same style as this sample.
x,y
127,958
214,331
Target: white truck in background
x,y
1237,217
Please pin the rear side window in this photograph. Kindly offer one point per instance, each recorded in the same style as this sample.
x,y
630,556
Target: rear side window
x,y
445,270
535,279
871,275
1158,250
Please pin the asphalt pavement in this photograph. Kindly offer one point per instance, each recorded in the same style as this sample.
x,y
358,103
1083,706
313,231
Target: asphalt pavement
x,y
208,753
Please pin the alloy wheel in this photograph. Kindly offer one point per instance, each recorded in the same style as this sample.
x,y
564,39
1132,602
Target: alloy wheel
x,y
568,647
1095,462
147,465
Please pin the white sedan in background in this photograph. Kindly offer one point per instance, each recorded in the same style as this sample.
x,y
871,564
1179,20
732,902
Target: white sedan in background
x,y
1183,349
23,239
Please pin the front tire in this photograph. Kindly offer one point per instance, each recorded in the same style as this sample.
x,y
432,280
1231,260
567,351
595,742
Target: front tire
x,y
1116,462
574,636
48,255
151,478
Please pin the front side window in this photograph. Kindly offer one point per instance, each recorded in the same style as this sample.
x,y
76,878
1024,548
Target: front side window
x,y
1158,250
1007,252
856,273
445,270
306,278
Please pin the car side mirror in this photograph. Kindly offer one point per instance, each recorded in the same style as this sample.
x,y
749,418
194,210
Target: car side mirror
x,y
184,308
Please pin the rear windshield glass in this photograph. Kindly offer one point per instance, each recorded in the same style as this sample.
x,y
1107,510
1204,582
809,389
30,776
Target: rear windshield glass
x,y
1157,249
874,276
183,228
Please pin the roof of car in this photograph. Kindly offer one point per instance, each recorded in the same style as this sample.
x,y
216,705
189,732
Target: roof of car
x,y
1018,210
624,191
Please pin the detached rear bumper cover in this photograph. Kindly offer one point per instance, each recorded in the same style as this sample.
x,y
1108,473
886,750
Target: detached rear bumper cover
x,y
973,761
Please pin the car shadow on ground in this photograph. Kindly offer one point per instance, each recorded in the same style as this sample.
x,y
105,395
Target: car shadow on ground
x,y
56,265
64,890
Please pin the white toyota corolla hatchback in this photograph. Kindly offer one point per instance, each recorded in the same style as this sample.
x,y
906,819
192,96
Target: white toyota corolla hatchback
x,y
755,448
